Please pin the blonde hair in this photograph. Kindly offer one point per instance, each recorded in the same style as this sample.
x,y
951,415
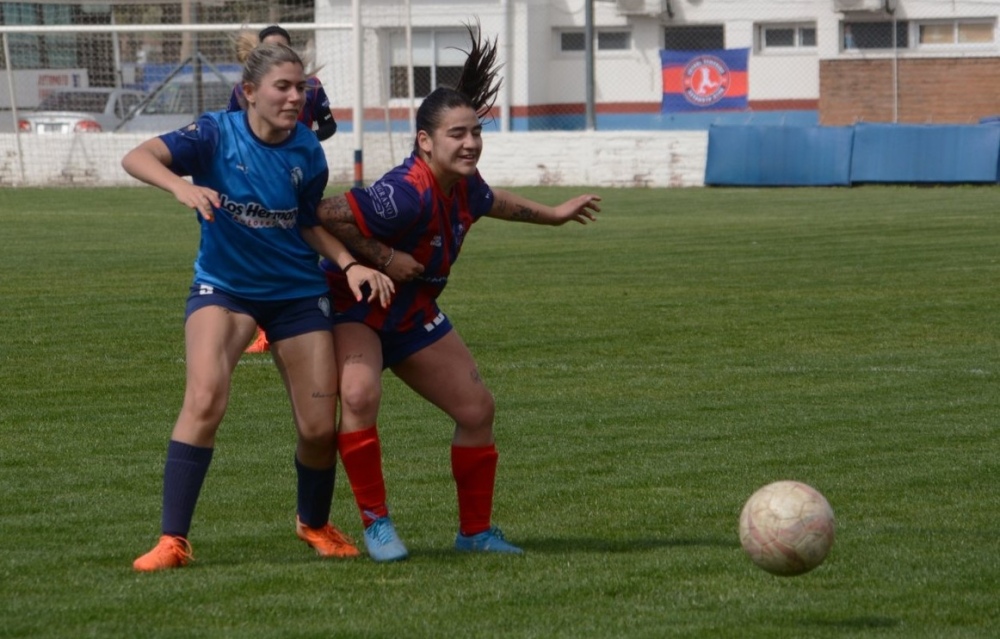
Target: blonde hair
x,y
258,58
246,41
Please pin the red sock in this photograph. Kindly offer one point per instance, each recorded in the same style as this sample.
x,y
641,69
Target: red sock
x,y
361,455
475,472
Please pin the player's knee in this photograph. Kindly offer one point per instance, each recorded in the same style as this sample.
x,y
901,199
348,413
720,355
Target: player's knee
x,y
477,415
205,405
318,436
360,398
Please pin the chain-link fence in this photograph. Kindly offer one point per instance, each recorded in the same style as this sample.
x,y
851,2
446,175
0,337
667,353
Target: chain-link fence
x,y
612,65
627,64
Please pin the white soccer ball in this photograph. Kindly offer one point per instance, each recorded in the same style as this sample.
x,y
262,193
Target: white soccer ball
x,y
787,528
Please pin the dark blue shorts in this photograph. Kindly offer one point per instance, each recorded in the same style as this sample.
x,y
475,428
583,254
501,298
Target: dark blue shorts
x,y
398,346
280,319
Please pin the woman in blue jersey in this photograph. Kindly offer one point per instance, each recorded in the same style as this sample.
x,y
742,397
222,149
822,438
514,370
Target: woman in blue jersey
x,y
424,208
315,110
257,177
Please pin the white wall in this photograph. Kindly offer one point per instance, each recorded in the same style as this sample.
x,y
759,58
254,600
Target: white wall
x,y
587,159
538,74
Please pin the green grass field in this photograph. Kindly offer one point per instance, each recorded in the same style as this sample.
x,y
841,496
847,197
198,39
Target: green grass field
x,y
651,371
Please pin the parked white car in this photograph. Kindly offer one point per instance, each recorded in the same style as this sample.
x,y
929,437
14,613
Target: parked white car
x,y
174,106
93,110
86,110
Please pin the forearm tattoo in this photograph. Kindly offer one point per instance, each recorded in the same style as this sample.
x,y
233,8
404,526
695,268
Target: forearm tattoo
x,y
334,210
516,212
336,217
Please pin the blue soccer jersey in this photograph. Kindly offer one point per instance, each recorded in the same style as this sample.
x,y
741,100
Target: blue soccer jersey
x,y
254,248
406,210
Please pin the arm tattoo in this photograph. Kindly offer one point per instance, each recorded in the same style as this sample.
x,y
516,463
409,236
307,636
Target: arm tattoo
x,y
515,212
336,217
334,209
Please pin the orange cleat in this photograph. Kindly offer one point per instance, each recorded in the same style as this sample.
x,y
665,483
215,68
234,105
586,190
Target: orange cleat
x,y
170,552
260,344
327,541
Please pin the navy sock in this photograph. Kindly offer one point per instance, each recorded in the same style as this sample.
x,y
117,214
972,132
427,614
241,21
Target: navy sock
x,y
183,476
315,494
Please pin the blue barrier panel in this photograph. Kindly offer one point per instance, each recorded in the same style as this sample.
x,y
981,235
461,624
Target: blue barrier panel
x,y
779,156
925,153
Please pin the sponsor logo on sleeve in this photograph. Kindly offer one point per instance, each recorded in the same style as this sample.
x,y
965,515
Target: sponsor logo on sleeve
x,y
381,195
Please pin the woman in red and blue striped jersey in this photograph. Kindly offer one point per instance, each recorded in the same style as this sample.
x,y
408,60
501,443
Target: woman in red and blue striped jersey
x,y
412,223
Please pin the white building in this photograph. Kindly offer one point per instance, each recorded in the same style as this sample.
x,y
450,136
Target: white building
x,y
543,48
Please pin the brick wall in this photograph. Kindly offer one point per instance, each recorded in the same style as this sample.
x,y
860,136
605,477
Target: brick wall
x,y
931,90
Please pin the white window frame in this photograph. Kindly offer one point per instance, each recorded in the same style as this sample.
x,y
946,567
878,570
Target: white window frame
x,y
431,54
954,43
797,29
559,51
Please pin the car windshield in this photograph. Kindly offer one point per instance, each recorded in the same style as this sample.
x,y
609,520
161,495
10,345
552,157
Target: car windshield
x,y
74,101
178,99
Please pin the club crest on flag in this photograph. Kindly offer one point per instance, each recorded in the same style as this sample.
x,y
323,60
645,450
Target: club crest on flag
x,y
704,80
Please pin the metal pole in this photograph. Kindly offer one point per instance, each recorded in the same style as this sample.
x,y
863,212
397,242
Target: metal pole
x,y
895,72
196,77
117,52
410,82
359,97
589,53
508,48
13,107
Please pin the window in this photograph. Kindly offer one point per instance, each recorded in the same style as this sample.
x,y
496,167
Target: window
x,y
874,35
613,41
576,41
698,38
960,32
787,36
572,41
438,56
126,103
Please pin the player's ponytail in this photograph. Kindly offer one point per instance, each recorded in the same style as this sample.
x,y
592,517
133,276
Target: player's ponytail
x,y
244,42
477,87
479,82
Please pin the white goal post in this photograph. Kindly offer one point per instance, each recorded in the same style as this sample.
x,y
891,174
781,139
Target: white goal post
x,y
348,57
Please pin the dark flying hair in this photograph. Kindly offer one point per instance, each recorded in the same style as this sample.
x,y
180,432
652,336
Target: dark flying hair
x,y
271,30
477,87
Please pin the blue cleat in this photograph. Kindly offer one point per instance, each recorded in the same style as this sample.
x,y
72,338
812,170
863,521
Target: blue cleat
x,y
487,541
382,541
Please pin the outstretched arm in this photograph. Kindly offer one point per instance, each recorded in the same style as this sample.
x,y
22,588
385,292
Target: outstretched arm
x,y
337,218
150,162
514,208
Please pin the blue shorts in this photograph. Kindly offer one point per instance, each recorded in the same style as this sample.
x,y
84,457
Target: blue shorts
x,y
398,346
280,319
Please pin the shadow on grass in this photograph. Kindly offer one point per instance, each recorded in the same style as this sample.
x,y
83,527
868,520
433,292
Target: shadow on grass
x,y
593,544
562,545
855,623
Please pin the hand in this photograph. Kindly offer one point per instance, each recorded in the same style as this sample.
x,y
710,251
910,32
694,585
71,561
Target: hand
x,y
199,198
403,267
381,286
580,209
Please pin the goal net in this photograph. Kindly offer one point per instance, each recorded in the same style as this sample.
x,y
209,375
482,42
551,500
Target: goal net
x,y
133,70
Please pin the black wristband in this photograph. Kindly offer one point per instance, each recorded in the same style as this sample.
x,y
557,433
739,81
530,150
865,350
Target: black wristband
x,y
348,267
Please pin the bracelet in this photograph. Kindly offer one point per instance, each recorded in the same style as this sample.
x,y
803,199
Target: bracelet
x,y
348,267
392,254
